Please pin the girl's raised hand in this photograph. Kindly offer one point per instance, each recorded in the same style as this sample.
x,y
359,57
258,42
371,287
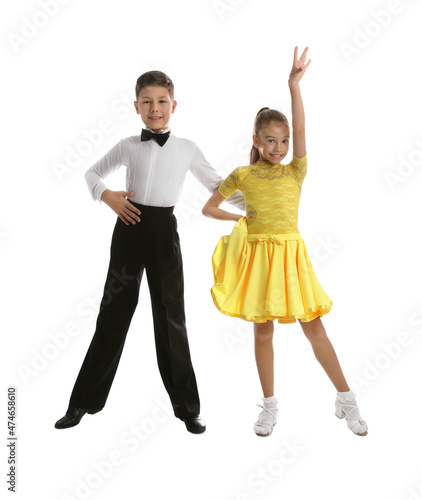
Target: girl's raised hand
x,y
299,66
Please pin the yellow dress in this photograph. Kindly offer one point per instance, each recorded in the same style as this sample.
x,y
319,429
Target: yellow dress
x,y
262,270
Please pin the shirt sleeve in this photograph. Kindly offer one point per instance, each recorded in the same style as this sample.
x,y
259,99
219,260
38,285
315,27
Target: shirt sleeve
x,y
299,167
110,162
208,177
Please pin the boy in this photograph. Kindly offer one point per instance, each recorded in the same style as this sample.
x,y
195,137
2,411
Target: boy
x,y
145,237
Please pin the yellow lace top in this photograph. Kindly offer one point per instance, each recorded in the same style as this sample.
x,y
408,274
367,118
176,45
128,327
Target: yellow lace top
x,y
272,194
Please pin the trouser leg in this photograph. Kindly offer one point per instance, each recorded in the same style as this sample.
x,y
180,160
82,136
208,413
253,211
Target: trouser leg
x,y
117,306
165,280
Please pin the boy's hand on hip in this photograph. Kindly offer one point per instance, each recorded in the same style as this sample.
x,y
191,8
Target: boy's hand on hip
x,y
118,203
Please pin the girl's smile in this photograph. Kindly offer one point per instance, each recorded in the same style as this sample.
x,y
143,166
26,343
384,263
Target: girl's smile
x,y
272,142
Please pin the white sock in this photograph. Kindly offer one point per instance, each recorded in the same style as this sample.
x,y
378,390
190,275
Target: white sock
x,y
345,394
348,398
270,402
270,405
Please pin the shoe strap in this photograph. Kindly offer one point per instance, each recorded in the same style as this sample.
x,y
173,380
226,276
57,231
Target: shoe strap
x,y
267,425
352,408
269,411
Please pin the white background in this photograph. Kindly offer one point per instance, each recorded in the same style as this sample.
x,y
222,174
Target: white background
x,y
67,71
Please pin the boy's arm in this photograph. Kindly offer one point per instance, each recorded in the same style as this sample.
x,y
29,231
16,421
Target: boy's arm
x,y
94,176
116,200
209,178
298,113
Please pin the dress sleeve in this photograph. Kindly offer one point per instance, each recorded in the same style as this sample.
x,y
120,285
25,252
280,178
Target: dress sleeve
x,y
110,162
230,184
299,167
208,177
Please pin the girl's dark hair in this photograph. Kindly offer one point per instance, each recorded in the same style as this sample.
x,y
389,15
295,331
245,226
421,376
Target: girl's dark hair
x,y
263,117
156,78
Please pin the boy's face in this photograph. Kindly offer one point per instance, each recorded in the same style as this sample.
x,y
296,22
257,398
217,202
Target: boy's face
x,y
272,142
155,107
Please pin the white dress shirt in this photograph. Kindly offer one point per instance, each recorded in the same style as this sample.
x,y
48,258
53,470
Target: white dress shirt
x,y
156,173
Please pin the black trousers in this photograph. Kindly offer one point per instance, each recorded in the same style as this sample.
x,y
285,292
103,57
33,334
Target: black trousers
x,y
151,244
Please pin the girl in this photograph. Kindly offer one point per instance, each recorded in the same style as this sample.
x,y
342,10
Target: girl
x,y
262,271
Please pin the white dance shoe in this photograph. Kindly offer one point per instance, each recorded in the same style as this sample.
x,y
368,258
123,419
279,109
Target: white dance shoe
x,y
267,419
346,407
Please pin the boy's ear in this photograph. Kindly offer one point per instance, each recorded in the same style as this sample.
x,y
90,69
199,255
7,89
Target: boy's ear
x,y
173,106
136,106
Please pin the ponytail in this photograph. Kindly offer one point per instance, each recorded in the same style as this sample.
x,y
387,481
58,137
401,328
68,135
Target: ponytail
x,y
264,116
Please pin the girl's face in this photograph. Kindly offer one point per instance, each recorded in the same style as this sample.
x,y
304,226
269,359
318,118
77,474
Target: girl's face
x,y
272,142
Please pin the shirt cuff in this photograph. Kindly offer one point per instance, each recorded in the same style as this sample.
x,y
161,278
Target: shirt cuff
x,y
99,192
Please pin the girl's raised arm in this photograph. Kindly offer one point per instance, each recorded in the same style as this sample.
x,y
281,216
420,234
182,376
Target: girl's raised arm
x,y
298,120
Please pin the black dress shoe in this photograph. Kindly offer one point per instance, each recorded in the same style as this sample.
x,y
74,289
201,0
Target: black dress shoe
x,y
73,417
195,424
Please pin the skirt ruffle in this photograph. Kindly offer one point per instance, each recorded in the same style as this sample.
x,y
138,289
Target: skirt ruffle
x,y
260,277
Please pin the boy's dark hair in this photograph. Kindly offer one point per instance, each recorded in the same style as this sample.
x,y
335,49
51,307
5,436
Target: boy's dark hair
x,y
263,117
156,78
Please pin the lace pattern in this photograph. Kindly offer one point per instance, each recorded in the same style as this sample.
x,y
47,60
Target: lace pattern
x,y
272,194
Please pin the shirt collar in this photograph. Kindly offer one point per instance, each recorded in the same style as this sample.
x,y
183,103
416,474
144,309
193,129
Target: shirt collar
x,y
160,132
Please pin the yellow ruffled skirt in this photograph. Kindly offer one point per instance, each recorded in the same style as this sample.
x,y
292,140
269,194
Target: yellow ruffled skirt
x,y
260,277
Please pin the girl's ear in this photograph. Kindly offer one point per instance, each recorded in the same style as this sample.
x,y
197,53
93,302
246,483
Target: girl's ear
x,y
255,141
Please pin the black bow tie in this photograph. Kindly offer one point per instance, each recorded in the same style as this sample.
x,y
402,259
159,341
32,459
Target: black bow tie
x,y
161,139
